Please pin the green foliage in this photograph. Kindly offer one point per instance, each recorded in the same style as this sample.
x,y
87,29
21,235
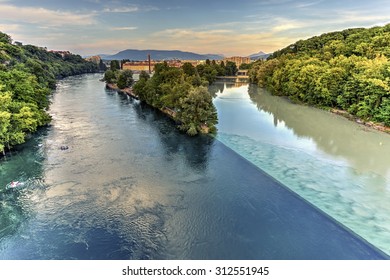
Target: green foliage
x,y
27,73
246,66
4,38
196,110
125,79
230,68
144,75
114,65
382,114
110,76
179,91
102,66
207,71
188,69
349,70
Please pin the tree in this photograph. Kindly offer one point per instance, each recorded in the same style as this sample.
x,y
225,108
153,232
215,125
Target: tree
x,y
125,79
245,66
197,111
172,88
5,117
382,113
114,65
207,71
102,66
110,77
188,69
4,38
27,74
144,75
349,69
231,68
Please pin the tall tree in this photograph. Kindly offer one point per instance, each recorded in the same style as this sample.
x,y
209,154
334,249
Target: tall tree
x,y
125,79
114,65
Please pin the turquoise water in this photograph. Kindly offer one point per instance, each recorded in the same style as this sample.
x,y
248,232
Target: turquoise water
x,y
131,186
341,167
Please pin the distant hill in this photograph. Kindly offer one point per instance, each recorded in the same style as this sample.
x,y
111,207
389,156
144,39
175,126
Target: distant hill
x,y
132,54
259,55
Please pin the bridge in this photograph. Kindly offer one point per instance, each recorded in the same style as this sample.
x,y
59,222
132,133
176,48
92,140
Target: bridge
x,y
241,77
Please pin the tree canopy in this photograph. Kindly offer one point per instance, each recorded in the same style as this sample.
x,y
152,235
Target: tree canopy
x,y
181,92
347,70
27,74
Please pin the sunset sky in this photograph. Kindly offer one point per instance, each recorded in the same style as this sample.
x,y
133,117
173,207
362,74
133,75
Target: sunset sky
x,y
226,27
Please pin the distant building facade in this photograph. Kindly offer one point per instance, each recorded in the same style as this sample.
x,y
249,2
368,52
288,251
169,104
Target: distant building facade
x,y
242,73
238,60
138,66
95,59
62,53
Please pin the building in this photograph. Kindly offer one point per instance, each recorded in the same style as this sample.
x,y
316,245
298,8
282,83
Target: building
x,y
242,73
95,59
194,62
238,60
61,53
138,66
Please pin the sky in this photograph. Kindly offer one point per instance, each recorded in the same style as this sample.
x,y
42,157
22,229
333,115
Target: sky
x,y
239,27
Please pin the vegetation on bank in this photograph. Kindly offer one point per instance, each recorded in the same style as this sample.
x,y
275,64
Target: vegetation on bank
x,y
179,92
122,78
347,70
27,74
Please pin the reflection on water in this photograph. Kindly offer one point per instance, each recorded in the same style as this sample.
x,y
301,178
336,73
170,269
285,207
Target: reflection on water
x,y
131,186
339,166
365,149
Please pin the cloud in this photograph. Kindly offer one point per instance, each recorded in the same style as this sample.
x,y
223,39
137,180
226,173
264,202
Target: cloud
x,y
229,42
124,28
129,9
283,24
9,27
44,16
191,34
356,17
101,46
308,4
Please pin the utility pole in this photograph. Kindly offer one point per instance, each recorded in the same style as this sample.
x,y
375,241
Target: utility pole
x,y
150,67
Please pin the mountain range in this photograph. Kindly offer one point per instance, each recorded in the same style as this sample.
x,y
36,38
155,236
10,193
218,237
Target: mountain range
x,y
138,55
133,54
259,55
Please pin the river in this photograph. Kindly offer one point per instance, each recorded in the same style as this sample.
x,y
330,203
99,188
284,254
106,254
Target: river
x,y
339,166
130,186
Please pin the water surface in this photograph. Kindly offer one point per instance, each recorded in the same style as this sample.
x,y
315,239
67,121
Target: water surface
x,y
340,166
131,186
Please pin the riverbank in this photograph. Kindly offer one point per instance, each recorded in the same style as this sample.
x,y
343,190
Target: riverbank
x,y
163,195
204,129
376,126
127,90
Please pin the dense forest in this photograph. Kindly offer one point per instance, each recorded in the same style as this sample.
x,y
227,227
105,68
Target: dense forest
x,y
180,92
27,75
347,70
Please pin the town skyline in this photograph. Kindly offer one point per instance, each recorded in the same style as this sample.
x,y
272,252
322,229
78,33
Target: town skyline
x,y
229,28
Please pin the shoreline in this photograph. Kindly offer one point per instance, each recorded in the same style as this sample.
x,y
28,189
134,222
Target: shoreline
x,y
127,90
370,124
166,111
